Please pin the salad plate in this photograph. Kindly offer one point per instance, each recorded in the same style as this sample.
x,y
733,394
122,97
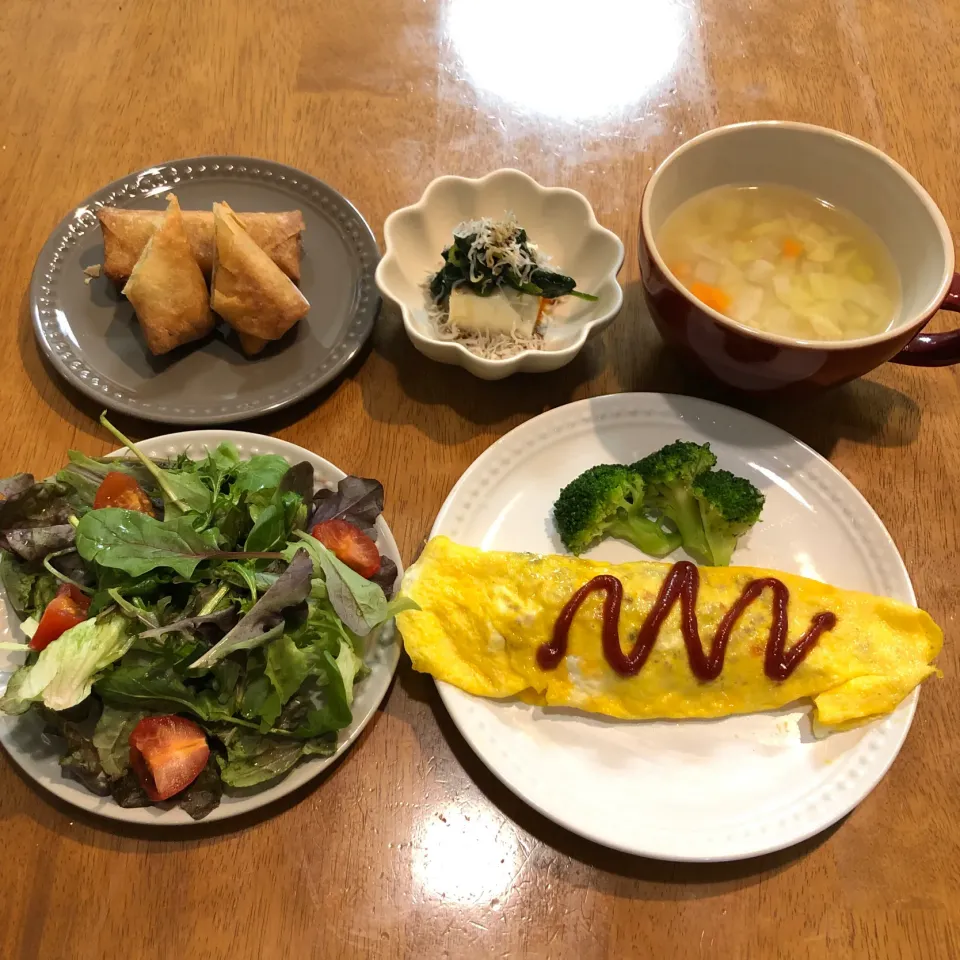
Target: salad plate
x,y
693,790
38,755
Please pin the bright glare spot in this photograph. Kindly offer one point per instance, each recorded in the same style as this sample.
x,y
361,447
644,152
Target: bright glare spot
x,y
807,567
566,58
466,858
782,483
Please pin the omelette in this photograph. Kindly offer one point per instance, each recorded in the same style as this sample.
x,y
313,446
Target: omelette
x,y
649,640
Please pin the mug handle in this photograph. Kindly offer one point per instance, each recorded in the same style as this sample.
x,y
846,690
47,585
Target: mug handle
x,y
935,349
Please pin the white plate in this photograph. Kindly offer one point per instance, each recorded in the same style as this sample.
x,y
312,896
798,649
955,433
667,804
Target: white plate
x,y
37,758
694,789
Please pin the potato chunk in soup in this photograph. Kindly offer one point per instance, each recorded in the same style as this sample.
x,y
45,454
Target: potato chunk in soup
x,y
778,259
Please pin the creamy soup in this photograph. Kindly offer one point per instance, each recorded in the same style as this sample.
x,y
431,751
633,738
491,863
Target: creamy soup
x,y
780,260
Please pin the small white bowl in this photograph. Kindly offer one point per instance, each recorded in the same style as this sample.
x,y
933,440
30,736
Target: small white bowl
x,y
559,221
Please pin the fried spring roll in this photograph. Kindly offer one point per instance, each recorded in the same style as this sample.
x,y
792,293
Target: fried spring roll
x,y
251,345
248,289
167,289
126,232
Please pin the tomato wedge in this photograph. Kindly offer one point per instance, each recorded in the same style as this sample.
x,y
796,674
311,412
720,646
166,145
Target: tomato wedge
x,y
68,608
118,489
167,754
350,545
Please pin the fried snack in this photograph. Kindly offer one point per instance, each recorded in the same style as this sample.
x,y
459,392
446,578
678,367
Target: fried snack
x,y
248,289
126,232
167,289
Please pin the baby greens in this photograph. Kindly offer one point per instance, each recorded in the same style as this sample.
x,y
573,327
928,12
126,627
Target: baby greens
x,y
221,608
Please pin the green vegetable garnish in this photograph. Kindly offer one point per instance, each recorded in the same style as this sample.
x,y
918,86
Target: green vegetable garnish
x,y
487,254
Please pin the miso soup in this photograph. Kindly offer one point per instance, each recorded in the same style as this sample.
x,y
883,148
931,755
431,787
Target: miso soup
x,y
778,259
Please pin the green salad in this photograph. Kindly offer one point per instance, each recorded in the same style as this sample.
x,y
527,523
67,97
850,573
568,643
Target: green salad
x,y
195,625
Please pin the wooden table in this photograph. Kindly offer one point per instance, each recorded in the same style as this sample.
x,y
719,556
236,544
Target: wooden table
x,y
410,848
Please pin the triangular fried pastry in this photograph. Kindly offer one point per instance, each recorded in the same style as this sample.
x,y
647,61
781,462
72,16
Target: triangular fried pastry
x,y
248,289
167,289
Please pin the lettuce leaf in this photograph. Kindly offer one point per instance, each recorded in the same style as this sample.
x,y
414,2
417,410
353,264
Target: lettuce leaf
x,y
64,672
203,795
151,683
28,591
253,759
83,475
356,500
360,603
265,616
111,738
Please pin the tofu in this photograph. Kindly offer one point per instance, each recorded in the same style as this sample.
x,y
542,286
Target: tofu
x,y
505,311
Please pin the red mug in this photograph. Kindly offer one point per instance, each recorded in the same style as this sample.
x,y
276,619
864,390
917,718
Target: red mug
x,y
836,168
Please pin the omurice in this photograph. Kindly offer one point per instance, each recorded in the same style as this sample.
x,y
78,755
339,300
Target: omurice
x,y
650,640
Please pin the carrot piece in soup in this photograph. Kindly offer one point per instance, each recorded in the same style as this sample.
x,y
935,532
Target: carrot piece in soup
x,y
711,296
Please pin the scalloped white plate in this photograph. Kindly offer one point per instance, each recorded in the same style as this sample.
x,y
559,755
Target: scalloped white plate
x,y
696,789
29,749
559,220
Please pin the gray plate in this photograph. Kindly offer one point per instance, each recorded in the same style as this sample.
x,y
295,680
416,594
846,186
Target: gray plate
x,y
90,334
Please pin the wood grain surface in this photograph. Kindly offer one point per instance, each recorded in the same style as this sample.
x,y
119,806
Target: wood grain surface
x,y
410,848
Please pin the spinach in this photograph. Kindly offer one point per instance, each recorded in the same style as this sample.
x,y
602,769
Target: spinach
x,y
150,683
274,523
136,543
260,702
261,472
483,268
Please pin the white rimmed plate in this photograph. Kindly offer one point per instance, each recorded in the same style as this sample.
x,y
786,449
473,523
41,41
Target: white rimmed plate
x,y
22,736
695,789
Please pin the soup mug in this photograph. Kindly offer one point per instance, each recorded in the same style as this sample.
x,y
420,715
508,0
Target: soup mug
x,y
842,171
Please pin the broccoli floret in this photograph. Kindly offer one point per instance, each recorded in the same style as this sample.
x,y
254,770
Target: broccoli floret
x,y
668,475
729,507
607,501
